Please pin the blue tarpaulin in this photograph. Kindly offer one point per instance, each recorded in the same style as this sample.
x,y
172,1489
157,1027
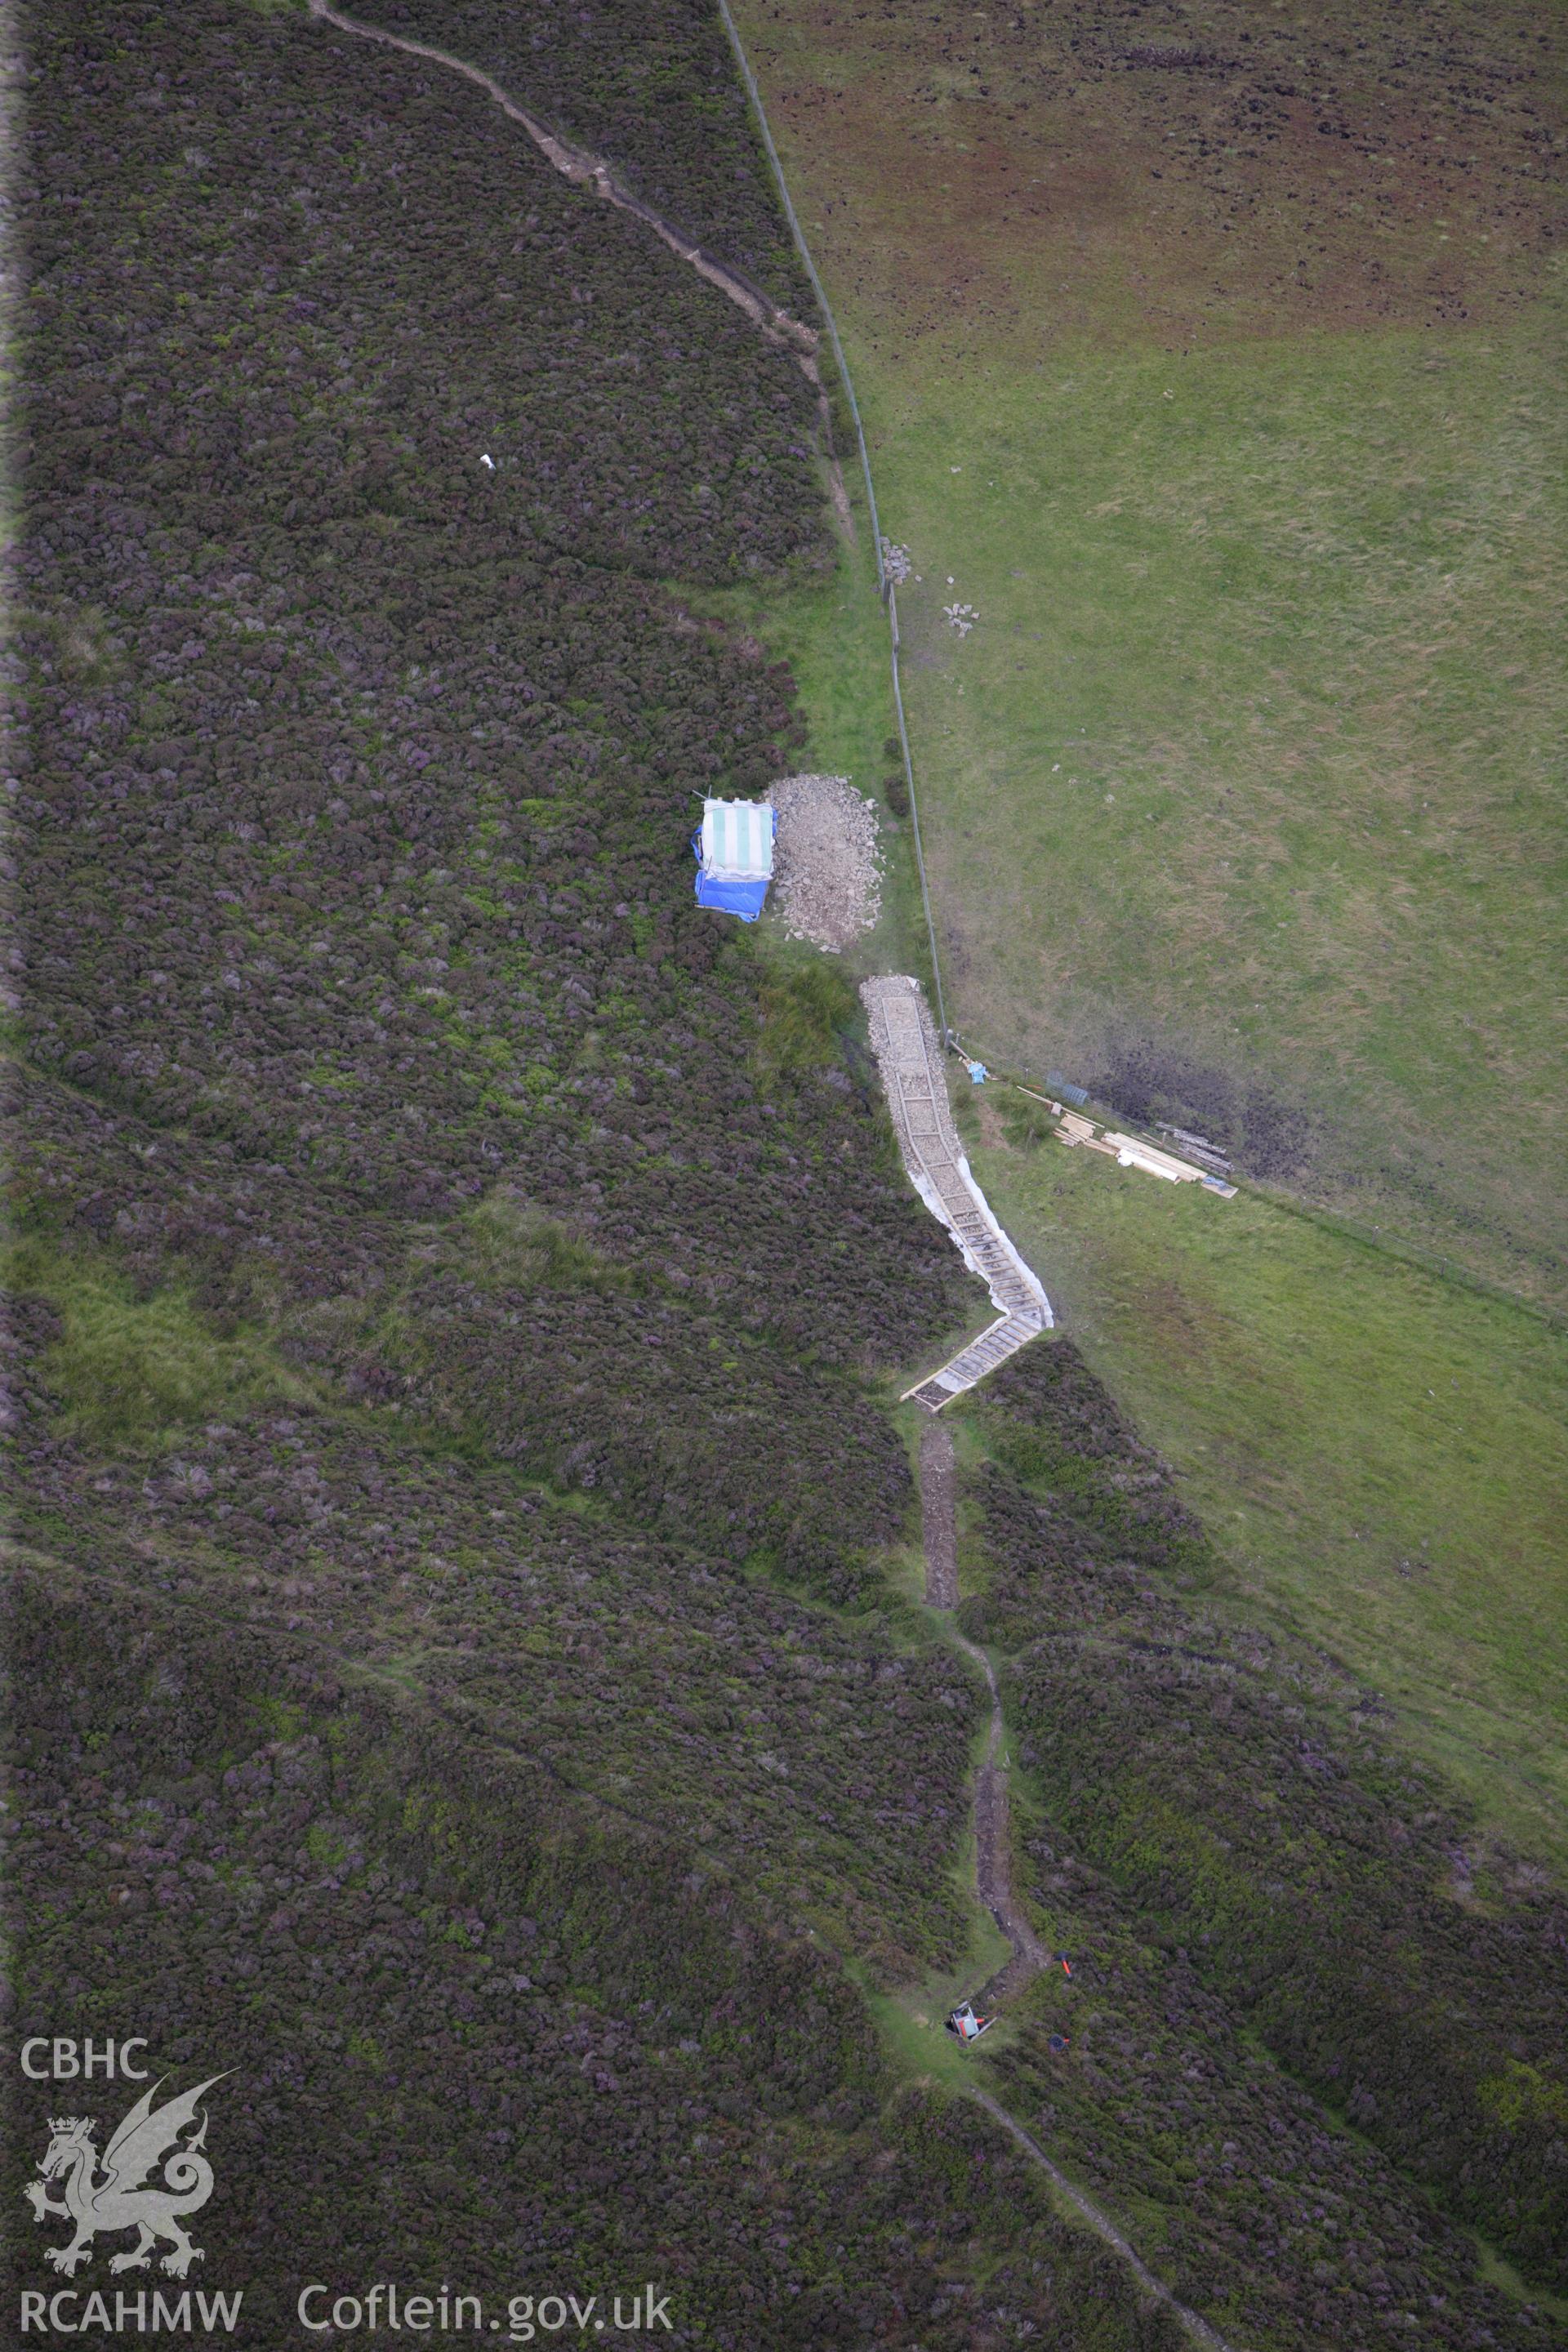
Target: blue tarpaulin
x,y
735,850
742,898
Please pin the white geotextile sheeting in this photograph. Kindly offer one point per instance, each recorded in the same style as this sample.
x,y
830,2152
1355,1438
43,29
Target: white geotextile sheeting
x,y
939,1209
879,996
1026,1272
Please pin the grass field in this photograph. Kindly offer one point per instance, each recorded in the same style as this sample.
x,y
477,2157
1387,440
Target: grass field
x,y
1242,799
1240,796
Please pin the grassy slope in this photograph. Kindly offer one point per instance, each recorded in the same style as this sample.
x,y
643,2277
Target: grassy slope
x,y
116,1376
1238,796
1379,1456
1253,742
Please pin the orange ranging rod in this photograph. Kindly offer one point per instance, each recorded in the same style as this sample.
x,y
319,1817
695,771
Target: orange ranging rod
x,y
1067,1963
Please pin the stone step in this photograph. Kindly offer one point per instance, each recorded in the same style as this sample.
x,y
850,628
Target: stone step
x,y
911,1062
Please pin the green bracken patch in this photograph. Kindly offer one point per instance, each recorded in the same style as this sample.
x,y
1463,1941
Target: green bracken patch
x,y
129,1368
803,1007
504,1245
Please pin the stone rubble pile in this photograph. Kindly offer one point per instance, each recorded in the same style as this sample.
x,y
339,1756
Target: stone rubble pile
x,y
827,879
963,617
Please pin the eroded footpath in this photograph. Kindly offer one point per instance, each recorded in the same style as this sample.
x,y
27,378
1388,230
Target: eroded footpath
x,y
586,170
993,1860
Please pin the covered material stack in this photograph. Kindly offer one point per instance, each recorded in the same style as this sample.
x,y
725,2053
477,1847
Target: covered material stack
x,y
734,849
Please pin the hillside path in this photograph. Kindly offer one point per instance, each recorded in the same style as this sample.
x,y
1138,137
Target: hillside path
x,y
993,1856
939,1517
992,1861
1193,2321
909,1060
585,169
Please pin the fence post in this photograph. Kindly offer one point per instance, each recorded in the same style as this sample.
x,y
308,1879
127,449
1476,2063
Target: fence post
x,y
884,585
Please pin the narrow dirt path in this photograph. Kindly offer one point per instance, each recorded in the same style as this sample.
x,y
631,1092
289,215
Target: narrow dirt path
x,y
1107,2229
939,1516
992,1859
993,1856
585,169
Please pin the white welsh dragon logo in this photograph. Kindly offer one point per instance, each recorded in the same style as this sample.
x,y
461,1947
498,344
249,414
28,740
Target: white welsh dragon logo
x,y
121,2197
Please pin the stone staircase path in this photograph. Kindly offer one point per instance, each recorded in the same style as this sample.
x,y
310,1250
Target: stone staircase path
x,y
904,1040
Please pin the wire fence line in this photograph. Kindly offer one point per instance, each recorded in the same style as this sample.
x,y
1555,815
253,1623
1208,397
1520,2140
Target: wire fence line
x,y
884,585
1375,1236
581,166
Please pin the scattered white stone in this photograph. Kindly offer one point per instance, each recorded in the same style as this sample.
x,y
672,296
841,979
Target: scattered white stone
x,y
962,616
897,561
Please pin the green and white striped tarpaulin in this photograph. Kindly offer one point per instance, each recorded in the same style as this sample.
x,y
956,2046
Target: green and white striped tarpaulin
x,y
738,839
